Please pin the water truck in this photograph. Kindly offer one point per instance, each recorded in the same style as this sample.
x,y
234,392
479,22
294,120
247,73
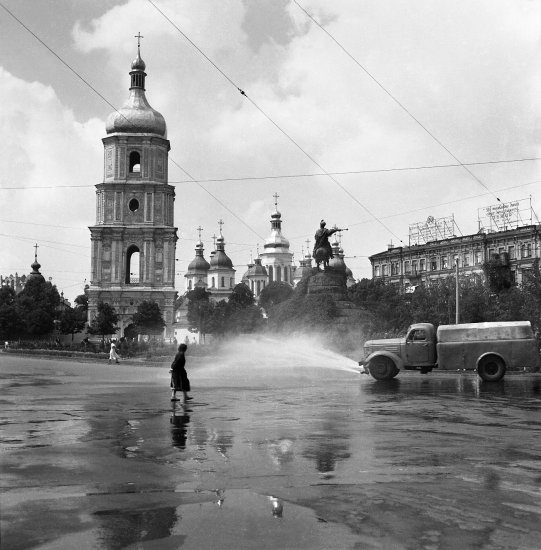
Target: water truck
x,y
488,348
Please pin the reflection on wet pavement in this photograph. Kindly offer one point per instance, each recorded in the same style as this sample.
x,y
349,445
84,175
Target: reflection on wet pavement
x,y
429,462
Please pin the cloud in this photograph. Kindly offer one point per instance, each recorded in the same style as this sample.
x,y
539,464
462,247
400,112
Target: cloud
x,y
470,73
46,149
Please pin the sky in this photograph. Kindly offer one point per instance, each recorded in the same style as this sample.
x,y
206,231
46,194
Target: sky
x,y
353,112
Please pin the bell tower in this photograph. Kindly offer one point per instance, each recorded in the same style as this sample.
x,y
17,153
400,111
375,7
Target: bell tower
x,y
134,238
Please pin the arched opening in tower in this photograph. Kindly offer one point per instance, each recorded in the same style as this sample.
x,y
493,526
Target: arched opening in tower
x,y
133,259
135,162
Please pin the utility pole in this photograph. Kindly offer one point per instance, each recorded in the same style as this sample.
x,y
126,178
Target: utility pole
x,y
457,309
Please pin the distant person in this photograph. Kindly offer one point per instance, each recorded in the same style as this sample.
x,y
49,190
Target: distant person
x,y
179,376
113,355
6,345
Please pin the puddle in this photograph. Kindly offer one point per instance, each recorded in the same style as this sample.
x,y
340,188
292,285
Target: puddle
x,y
225,519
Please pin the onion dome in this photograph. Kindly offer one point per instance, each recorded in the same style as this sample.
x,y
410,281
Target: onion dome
x,y
136,116
256,270
35,274
337,262
276,239
220,259
198,263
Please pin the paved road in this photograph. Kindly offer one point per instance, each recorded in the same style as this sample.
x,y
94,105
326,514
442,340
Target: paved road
x,y
273,452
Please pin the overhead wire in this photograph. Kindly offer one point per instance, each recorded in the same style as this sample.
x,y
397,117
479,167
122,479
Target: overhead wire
x,y
312,175
67,65
276,125
395,215
399,103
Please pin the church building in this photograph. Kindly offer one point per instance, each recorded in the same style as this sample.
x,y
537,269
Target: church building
x,y
134,239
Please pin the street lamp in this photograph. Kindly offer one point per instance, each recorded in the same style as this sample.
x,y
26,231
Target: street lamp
x,y
457,310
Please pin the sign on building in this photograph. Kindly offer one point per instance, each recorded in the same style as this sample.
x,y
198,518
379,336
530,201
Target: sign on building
x,y
505,215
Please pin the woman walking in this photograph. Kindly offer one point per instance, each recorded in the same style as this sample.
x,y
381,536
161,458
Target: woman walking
x,y
113,355
179,376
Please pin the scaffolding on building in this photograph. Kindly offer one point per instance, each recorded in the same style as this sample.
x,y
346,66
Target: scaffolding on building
x,y
433,229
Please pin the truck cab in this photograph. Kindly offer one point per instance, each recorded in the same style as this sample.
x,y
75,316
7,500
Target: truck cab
x,y
417,350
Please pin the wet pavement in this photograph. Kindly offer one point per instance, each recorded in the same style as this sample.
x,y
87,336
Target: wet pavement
x,y
273,452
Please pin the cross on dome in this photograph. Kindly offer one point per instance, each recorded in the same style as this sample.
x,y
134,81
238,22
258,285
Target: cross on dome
x,y
276,195
138,36
199,229
36,252
221,223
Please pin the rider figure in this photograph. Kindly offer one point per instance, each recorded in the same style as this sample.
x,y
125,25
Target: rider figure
x,y
322,242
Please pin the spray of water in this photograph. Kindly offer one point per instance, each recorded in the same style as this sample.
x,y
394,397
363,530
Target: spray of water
x,y
257,358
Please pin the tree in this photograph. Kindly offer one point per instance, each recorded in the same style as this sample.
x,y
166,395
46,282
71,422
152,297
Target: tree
x,y
199,310
148,318
81,301
242,316
72,320
531,287
275,293
389,307
37,305
105,321
11,324
498,274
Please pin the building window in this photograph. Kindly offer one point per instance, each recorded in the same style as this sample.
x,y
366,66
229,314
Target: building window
x,y
511,252
407,267
135,162
133,259
477,257
444,262
223,282
414,267
422,265
466,259
231,281
526,250
190,284
213,282
278,274
376,271
133,205
394,268
384,270
271,274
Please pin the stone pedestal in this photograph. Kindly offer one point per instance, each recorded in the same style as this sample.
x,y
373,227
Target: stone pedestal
x,y
328,282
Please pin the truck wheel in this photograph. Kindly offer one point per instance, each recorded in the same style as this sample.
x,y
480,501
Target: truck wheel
x,y
382,368
491,368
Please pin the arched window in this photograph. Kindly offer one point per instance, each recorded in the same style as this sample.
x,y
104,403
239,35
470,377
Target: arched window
x,y
278,274
190,284
223,282
258,288
135,162
271,278
133,258
213,282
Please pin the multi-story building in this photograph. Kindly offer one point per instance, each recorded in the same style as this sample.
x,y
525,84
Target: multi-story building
x,y
134,237
409,266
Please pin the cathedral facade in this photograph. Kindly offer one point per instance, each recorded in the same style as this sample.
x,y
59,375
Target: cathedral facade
x,y
133,241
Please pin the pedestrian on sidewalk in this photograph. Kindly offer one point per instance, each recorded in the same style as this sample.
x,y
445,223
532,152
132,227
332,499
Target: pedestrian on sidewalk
x,y
179,376
113,355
